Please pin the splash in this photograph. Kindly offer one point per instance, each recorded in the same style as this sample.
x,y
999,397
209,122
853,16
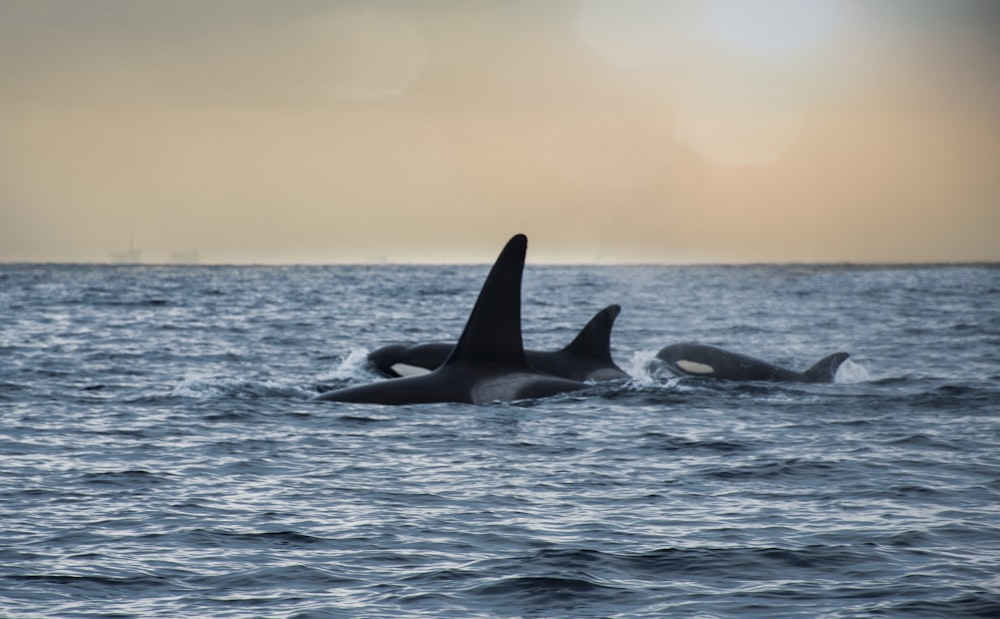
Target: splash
x,y
850,372
642,367
352,367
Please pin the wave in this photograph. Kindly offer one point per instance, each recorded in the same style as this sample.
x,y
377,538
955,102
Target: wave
x,y
264,579
979,604
664,442
589,582
230,539
208,387
795,468
549,591
130,478
94,583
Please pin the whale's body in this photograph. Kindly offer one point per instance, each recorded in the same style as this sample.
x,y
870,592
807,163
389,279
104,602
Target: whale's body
x,y
702,360
587,357
487,364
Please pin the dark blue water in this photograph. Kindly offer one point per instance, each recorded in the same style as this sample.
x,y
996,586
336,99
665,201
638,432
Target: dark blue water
x,y
160,457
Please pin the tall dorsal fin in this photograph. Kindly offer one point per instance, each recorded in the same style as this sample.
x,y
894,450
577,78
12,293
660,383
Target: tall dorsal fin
x,y
493,331
594,340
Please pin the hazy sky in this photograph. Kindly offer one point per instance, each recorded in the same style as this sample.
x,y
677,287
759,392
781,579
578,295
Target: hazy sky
x,y
432,130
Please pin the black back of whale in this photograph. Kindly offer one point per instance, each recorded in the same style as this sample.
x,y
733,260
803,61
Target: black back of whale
x,y
710,362
587,357
487,364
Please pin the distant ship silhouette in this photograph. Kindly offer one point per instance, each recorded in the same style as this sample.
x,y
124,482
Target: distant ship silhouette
x,y
129,256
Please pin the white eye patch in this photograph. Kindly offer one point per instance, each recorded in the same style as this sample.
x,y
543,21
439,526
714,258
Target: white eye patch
x,y
405,370
693,367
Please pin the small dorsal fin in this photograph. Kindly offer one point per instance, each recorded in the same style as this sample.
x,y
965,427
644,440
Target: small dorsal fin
x,y
493,331
826,368
594,340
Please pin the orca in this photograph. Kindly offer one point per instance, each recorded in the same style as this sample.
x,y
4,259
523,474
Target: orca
x,y
587,357
705,361
488,362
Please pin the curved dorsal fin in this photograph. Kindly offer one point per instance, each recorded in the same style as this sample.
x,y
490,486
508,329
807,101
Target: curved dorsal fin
x,y
493,332
594,340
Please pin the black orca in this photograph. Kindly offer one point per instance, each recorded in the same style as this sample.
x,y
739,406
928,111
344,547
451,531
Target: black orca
x,y
487,364
711,362
587,357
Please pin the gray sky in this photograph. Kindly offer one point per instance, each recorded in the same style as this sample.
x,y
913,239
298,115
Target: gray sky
x,y
608,131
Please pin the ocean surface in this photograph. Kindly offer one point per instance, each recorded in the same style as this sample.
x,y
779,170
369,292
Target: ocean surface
x,y
160,455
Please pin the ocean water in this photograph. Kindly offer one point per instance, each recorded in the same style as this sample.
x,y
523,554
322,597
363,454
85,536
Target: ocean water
x,y
160,455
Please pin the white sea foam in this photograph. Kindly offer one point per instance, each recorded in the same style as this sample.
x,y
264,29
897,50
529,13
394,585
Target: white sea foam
x,y
641,367
352,367
851,372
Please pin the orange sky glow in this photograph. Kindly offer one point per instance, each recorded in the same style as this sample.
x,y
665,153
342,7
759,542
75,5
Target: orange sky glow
x,y
608,131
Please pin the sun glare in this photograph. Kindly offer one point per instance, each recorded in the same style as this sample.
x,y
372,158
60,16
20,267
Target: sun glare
x,y
772,27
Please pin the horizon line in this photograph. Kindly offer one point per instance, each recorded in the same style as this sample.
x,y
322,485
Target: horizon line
x,y
885,263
